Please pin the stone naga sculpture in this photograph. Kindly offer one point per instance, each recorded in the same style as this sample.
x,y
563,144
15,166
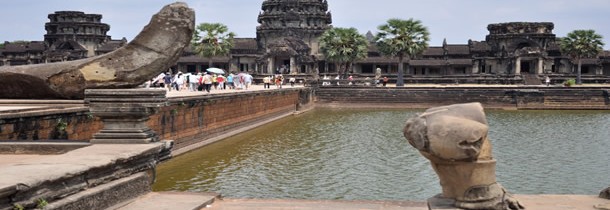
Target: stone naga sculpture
x,y
156,48
454,139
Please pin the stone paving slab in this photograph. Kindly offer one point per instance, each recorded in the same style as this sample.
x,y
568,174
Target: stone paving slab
x,y
561,202
260,204
32,170
170,201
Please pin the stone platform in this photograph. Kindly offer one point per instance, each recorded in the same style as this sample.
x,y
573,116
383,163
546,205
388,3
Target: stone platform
x,y
195,201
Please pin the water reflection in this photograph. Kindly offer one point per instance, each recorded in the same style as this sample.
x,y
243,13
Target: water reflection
x,y
361,155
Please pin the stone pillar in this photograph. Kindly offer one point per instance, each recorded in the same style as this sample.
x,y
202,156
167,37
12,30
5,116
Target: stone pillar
x,y
270,66
475,67
540,66
125,113
518,66
293,65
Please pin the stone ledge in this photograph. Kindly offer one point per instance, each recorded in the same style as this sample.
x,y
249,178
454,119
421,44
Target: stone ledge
x,y
39,147
57,176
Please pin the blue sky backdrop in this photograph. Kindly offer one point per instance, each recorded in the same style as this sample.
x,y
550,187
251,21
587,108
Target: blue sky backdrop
x,y
456,20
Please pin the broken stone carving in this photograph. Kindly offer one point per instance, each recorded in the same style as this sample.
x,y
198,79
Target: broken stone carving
x,y
454,139
154,50
605,193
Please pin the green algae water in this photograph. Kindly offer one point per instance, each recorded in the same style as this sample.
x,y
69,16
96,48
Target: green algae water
x,y
362,155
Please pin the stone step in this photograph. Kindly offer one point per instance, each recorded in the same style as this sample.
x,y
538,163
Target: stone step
x,y
103,196
169,201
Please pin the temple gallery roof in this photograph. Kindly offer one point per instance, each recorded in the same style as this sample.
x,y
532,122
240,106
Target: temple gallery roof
x,y
21,47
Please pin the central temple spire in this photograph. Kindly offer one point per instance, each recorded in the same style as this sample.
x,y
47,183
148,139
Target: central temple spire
x,y
300,18
288,34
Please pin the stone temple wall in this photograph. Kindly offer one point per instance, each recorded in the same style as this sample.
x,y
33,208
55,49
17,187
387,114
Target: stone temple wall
x,y
490,97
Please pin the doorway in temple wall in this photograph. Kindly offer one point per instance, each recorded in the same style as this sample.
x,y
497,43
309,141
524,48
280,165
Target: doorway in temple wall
x,y
526,67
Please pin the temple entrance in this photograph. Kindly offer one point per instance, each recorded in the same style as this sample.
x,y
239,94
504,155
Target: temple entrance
x,y
526,67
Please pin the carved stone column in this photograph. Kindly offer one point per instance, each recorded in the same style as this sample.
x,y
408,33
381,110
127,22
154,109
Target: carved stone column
x,y
540,66
270,66
518,66
125,113
293,65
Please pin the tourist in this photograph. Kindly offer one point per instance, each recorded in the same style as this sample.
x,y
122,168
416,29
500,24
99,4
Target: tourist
x,y
221,82
168,81
237,81
247,80
215,81
194,82
547,80
325,80
230,81
385,81
266,82
292,80
337,78
179,81
158,81
207,82
350,80
278,81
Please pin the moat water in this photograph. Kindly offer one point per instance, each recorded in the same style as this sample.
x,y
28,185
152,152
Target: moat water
x,y
362,155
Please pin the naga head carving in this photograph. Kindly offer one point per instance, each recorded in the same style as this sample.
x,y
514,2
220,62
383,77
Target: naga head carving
x,y
456,132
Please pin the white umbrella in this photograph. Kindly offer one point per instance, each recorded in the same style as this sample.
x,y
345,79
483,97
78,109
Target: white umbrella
x,y
215,70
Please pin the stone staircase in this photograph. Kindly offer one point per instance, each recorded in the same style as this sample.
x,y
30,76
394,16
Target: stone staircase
x,y
531,79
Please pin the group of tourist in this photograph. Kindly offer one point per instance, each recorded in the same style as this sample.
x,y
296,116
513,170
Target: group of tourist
x,y
202,81
278,80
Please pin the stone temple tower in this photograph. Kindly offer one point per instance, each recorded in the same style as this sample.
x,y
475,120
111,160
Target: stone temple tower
x,y
289,31
75,32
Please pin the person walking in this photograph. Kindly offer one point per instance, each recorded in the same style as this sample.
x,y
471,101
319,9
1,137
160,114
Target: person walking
x,y
547,80
248,80
292,80
207,82
266,81
179,81
168,81
385,81
221,82
230,81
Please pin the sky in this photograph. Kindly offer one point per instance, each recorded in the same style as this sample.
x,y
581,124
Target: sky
x,y
454,20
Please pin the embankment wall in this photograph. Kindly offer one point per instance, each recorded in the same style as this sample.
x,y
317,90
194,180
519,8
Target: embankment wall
x,y
186,120
490,97
192,120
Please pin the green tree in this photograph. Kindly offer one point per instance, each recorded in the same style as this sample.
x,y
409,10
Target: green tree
x,y
212,39
343,46
402,39
580,44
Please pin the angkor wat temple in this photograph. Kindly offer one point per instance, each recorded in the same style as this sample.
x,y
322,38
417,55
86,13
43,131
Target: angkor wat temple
x,y
287,41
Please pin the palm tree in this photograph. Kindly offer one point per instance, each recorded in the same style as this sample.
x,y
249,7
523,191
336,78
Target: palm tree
x,y
343,46
580,44
212,39
402,38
